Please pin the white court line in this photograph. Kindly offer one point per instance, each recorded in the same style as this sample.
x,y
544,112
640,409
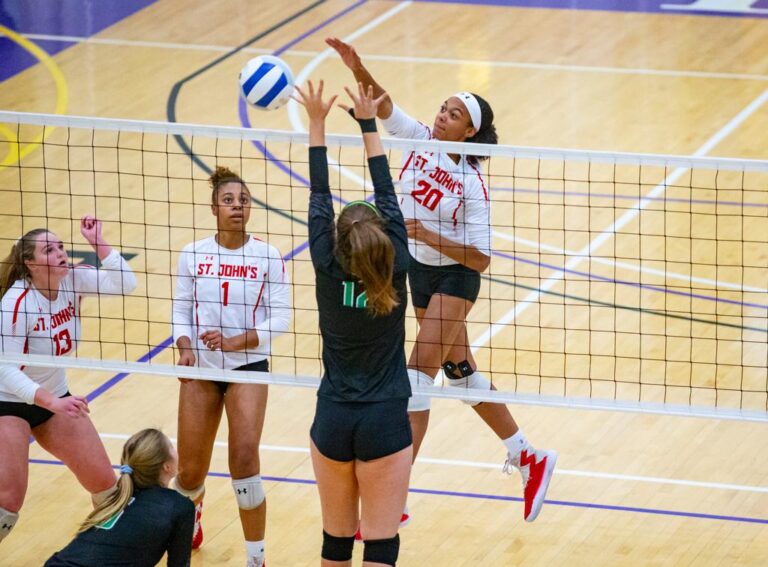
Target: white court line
x,y
293,106
626,265
622,221
407,59
481,465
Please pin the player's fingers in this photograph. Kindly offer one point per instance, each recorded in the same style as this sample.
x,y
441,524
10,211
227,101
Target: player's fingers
x,y
352,96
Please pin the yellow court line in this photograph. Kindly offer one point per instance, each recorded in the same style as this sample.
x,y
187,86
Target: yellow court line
x,y
62,99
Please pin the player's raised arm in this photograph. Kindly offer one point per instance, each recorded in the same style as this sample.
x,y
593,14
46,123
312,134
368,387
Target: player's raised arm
x,y
352,60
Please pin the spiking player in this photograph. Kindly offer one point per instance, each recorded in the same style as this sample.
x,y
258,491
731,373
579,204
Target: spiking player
x,y
41,315
232,300
446,205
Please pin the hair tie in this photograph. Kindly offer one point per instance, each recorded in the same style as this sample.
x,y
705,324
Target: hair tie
x,y
126,469
364,204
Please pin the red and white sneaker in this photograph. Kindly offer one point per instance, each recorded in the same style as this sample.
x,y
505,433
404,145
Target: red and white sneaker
x,y
404,519
536,468
197,534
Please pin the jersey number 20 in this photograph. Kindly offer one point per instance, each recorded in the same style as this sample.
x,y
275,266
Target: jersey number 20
x,y
427,195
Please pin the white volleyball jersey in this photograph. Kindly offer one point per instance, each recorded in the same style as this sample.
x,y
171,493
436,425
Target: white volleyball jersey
x,y
33,324
448,198
231,291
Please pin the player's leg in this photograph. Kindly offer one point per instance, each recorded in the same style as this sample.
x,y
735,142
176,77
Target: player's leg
x,y
383,492
440,324
337,486
246,406
418,406
333,460
14,470
383,446
201,403
535,466
75,441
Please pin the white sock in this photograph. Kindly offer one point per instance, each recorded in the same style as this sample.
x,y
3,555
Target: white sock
x,y
516,443
255,549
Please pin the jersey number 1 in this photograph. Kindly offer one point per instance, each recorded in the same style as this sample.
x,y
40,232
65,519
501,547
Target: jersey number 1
x,y
225,293
350,299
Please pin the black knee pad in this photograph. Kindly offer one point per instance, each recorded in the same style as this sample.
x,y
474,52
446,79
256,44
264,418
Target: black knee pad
x,y
458,371
337,548
382,550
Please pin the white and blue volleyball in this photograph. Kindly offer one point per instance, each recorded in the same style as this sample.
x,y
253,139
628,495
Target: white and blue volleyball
x,y
266,82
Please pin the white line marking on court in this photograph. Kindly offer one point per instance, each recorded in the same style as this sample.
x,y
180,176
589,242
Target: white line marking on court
x,y
406,59
293,106
633,267
481,465
622,221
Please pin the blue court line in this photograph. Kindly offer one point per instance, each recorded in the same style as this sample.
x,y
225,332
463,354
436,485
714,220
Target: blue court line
x,y
157,349
482,496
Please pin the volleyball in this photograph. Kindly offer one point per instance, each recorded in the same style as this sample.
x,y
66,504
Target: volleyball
x,y
266,82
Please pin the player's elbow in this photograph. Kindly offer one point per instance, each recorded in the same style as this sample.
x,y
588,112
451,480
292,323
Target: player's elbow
x,y
482,262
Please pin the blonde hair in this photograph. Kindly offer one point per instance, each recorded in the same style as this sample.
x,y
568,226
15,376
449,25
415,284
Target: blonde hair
x,y
145,452
365,251
13,267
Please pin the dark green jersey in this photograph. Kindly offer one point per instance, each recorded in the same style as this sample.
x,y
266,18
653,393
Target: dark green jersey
x,y
363,355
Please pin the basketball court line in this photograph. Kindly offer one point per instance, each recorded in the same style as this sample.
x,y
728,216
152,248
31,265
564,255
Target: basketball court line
x,y
483,496
627,266
589,276
497,466
677,73
622,221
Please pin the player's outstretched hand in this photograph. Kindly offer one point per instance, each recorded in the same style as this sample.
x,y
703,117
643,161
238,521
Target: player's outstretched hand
x,y
312,100
365,106
347,53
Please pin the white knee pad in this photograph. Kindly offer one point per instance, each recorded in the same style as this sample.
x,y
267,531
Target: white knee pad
x,y
7,521
194,495
416,401
466,378
249,492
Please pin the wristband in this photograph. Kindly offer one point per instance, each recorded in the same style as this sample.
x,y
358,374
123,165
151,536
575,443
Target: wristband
x,y
367,125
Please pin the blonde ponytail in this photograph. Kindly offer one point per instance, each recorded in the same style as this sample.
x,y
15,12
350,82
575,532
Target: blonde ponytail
x,y
14,267
144,455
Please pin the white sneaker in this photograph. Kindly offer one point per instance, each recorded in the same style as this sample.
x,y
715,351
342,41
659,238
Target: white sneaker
x,y
536,468
255,561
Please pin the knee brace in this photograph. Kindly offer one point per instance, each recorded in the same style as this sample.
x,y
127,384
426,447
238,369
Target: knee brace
x,y
249,492
7,521
418,402
337,548
195,495
462,375
382,550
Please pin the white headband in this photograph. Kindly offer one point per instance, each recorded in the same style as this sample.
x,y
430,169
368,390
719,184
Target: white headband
x,y
473,107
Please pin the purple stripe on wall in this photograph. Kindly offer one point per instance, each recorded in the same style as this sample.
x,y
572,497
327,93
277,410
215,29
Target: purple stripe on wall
x,y
647,6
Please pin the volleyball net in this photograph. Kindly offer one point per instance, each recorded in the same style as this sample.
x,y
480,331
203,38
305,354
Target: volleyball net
x,y
617,281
